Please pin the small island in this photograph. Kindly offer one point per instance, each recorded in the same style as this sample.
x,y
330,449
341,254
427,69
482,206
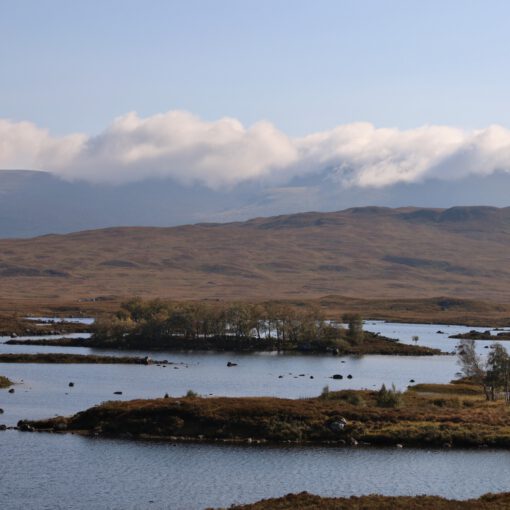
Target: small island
x,y
158,325
482,335
438,415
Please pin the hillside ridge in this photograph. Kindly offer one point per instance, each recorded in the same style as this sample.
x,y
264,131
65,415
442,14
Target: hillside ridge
x,y
371,252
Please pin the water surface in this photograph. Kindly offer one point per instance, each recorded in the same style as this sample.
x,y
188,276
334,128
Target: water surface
x,y
55,472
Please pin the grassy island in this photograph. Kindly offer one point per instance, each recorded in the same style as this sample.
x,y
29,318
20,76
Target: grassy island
x,y
448,415
74,358
162,325
482,335
306,501
4,382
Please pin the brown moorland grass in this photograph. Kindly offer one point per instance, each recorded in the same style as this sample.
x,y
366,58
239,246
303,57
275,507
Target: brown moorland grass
x,y
306,501
369,253
418,419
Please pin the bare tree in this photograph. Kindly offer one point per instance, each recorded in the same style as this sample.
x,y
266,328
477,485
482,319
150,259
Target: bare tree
x,y
472,365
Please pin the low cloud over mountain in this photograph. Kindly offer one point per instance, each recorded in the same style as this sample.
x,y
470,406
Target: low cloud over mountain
x,y
223,154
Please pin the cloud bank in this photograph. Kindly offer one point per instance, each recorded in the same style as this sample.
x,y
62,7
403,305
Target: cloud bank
x,y
224,153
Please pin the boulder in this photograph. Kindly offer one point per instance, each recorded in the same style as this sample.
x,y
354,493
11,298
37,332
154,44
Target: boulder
x,y
11,390
25,427
337,376
71,384
338,425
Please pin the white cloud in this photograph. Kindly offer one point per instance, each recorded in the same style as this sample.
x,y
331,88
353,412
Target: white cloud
x,y
224,153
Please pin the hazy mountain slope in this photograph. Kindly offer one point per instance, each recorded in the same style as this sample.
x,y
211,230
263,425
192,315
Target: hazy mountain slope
x,y
38,203
365,252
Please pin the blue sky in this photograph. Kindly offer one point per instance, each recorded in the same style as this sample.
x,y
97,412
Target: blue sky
x,y
72,66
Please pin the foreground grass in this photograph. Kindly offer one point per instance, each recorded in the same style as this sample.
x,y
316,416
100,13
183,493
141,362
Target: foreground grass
x,y
4,382
305,501
72,358
435,417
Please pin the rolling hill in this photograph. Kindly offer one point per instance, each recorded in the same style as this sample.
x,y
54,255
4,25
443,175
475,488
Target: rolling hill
x,y
368,252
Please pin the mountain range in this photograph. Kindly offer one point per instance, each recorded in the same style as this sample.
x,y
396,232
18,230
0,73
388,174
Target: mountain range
x,y
37,203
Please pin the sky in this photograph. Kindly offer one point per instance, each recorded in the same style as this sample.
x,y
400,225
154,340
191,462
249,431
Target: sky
x,y
220,93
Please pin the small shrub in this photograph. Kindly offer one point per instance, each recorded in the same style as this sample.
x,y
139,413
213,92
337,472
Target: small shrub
x,y
355,399
325,392
191,394
388,397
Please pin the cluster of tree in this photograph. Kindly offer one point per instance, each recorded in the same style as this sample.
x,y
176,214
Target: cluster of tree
x,y
491,372
240,325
